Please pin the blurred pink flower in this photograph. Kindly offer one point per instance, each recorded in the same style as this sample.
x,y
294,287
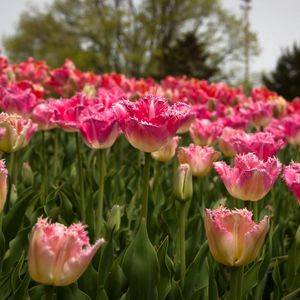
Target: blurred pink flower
x,y
166,153
262,144
98,126
250,178
150,123
234,239
225,140
205,132
200,159
291,176
58,255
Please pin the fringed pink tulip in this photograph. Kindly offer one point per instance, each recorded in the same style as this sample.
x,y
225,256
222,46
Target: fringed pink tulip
x,y
166,153
291,176
15,132
291,125
18,98
3,184
262,144
200,159
98,126
205,132
251,178
225,140
150,123
58,255
234,239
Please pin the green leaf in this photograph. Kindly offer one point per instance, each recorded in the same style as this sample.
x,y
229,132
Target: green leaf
x,y
175,293
105,264
141,267
22,293
278,282
197,273
292,295
250,279
116,282
212,286
14,218
164,285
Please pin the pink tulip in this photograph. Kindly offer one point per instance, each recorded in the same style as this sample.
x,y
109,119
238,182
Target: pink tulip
x,y
291,176
205,132
98,126
225,140
3,184
58,255
262,113
250,178
15,132
166,153
149,124
18,99
200,159
233,238
67,111
291,126
262,144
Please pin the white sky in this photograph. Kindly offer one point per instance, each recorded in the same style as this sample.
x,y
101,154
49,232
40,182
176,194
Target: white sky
x,y
277,23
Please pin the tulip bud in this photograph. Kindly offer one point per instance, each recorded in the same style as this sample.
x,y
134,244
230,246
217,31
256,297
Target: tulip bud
x,y
27,174
166,153
183,183
114,219
58,255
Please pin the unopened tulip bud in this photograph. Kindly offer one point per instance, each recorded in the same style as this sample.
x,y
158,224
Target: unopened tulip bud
x,y
234,239
58,255
114,219
183,183
27,174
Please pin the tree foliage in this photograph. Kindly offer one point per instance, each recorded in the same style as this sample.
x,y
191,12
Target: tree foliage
x,y
285,79
130,36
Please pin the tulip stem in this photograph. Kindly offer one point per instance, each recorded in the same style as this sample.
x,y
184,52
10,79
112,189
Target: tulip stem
x,y
55,167
102,173
146,177
13,168
182,217
45,168
49,292
236,283
80,176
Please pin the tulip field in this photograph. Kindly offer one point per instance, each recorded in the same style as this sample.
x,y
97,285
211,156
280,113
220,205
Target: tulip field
x,y
116,188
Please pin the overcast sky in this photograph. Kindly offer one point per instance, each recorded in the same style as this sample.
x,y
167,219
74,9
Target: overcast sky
x,y
277,23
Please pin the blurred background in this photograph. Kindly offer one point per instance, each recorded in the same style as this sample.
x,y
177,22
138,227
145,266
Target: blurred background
x,y
249,42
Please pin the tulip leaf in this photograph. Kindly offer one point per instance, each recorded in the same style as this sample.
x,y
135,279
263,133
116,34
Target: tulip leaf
x,y
5,286
175,293
14,218
251,278
292,295
164,285
22,293
71,292
105,263
278,282
88,281
141,267
116,282
197,273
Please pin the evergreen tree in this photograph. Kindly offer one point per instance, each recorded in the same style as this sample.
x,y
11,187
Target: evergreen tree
x,y
285,79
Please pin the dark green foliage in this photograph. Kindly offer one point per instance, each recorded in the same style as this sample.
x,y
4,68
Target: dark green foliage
x,y
285,79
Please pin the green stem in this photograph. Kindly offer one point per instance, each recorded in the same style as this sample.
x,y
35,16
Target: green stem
x,y
49,292
236,283
13,168
102,173
45,168
182,218
55,166
80,176
146,177
255,211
